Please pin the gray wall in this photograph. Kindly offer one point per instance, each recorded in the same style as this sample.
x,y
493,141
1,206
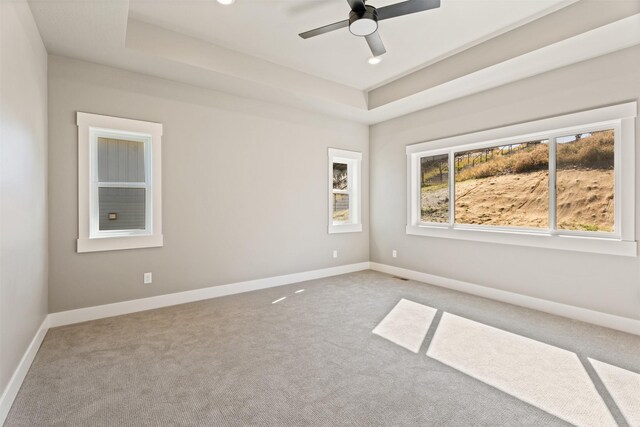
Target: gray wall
x,y
23,179
609,284
244,188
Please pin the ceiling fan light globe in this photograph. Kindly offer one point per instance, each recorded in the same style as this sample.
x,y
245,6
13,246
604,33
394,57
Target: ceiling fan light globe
x,y
363,23
226,2
363,27
374,60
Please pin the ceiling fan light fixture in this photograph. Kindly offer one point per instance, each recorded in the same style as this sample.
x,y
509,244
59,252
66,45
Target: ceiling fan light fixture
x,y
226,2
374,60
363,23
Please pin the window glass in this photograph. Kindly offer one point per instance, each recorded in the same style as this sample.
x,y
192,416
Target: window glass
x,y
121,208
434,188
585,181
340,176
341,207
504,185
120,160
344,191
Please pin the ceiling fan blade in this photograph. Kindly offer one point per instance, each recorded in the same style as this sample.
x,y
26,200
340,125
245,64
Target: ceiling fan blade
x,y
375,44
406,7
357,5
325,29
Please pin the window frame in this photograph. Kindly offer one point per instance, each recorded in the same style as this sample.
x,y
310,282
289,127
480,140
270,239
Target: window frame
x,y
620,118
353,160
90,237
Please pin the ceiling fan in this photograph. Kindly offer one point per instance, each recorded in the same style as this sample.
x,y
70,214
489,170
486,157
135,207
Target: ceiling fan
x,y
363,20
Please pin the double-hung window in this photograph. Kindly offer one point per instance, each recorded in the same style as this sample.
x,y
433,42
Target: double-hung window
x,y
344,191
119,183
565,182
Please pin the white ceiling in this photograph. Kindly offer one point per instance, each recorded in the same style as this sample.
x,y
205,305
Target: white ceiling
x,y
251,49
268,29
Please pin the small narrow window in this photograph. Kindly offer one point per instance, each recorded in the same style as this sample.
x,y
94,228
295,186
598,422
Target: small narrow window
x,y
119,183
344,194
122,197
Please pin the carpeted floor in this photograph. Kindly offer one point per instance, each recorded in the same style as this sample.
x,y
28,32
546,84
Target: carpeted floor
x,y
312,359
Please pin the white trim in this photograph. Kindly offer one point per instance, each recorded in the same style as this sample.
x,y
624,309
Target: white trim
x,y
119,308
621,241
612,321
94,214
119,243
353,160
600,41
530,130
90,240
109,310
11,390
598,245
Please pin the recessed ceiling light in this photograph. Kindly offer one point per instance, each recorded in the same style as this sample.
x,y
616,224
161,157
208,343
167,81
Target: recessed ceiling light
x,y
375,60
226,2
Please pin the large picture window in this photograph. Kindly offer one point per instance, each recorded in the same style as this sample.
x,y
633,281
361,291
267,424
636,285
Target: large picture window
x,y
119,183
554,183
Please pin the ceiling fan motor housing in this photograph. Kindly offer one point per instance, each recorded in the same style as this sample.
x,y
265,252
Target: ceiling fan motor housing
x,y
363,23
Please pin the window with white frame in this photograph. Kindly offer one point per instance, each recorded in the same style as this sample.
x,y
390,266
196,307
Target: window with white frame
x,y
344,191
565,182
119,190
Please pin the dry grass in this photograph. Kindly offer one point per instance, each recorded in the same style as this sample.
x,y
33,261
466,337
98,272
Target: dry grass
x,y
593,152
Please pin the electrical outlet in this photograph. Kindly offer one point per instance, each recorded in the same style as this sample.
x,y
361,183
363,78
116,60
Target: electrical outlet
x,y
148,278
335,253
394,253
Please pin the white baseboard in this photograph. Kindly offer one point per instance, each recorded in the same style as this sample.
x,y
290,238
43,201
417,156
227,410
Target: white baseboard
x,y
624,324
116,309
91,313
11,391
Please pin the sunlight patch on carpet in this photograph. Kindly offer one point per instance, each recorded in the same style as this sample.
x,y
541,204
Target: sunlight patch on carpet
x,y
545,376
624,388
407,324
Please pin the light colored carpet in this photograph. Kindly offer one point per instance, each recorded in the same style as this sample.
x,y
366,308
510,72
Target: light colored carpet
x,y
543,375
624,387
407,324
309,359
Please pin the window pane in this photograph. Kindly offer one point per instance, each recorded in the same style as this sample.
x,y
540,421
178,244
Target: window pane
x,y
340,207
585,181
340,177
120,160
121,208
434,188
503,185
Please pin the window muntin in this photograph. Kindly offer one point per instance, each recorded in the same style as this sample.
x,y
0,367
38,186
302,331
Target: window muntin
x,y
344,194
503,185
585,181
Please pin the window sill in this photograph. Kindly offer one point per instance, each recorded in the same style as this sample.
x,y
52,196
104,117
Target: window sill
x,y
538,240
345,228
119,243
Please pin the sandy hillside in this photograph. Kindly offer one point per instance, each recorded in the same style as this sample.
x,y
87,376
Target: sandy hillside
x,y
585,200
